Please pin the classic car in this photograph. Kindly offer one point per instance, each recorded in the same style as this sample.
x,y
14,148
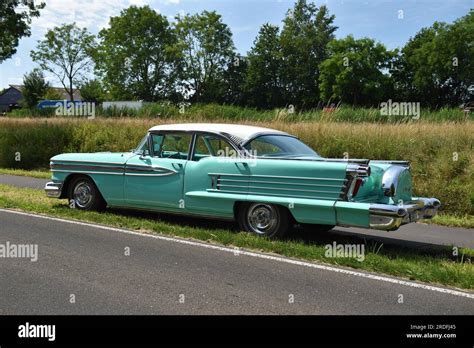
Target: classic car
x,y
266,180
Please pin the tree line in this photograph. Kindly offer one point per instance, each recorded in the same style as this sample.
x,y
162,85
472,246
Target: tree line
x,y
143,56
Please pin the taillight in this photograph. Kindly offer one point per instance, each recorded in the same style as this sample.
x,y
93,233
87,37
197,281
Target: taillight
x,y
357,185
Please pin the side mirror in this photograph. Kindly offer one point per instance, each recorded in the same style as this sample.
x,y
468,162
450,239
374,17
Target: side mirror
x,y
144,154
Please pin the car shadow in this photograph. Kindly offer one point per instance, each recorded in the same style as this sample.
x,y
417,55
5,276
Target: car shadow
x,y
297,234
176,219
304,236
372,243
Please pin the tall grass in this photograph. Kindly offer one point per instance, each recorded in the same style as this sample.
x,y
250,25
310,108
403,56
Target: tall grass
x,y
211,112
441,153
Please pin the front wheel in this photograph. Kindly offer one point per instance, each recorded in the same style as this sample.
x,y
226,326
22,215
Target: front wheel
x,y
84,195
263,219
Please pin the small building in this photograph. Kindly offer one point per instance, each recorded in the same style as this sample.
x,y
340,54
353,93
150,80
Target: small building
x,y
10,98
124,104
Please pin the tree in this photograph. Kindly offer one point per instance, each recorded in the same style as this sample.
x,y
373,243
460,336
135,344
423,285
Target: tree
x,y
53,94
206,50
65,52
34,88
307,30
357,72
15,20
436,66
92,91
233,89
135,56
264,77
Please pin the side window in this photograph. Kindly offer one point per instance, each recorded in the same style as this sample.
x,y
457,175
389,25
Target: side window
x,y
262,147
211,145
171,145
156,142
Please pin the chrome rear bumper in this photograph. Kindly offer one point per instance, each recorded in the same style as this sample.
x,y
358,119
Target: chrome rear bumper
x,y
389,217
53,189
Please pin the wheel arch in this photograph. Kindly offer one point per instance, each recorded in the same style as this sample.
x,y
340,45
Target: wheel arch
x,y
69,179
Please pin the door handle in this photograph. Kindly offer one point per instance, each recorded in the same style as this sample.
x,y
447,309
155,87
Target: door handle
x,y
243,164
178,166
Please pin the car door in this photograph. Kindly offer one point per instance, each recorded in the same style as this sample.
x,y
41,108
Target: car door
x,y
155,178
215,177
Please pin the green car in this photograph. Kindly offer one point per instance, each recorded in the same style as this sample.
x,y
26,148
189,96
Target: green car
x,y
265,179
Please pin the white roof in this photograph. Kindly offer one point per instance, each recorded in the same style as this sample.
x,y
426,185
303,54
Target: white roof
x,y
241,131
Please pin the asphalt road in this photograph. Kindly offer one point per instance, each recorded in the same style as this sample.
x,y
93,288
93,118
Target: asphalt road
x,y
413,235
170,276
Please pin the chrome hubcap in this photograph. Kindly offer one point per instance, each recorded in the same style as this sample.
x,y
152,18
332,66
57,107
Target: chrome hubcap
x,y
262,218
82,194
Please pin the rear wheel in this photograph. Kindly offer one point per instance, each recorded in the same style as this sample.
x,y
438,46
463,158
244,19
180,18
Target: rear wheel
x,y
84,195
263,219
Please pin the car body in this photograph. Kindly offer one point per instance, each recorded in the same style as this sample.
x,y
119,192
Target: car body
x,y
263,178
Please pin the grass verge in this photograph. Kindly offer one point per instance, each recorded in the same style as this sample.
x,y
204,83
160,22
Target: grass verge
x,y
435,265
38,174
465,221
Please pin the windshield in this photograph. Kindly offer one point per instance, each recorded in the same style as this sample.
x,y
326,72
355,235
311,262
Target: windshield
x,y
279,146
143,145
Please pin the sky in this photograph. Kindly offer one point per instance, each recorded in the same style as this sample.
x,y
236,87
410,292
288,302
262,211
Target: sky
x,y
391,22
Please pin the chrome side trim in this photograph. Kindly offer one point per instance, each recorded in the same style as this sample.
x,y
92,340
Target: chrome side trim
x,y
144,174
244,184
53,189
270,194
278,183
343,160
395,162
144,170
274,177
129,169
86,172
55,166
82,161
223,186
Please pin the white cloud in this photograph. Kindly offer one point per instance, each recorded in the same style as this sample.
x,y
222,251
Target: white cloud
x,y
91,14
137,2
